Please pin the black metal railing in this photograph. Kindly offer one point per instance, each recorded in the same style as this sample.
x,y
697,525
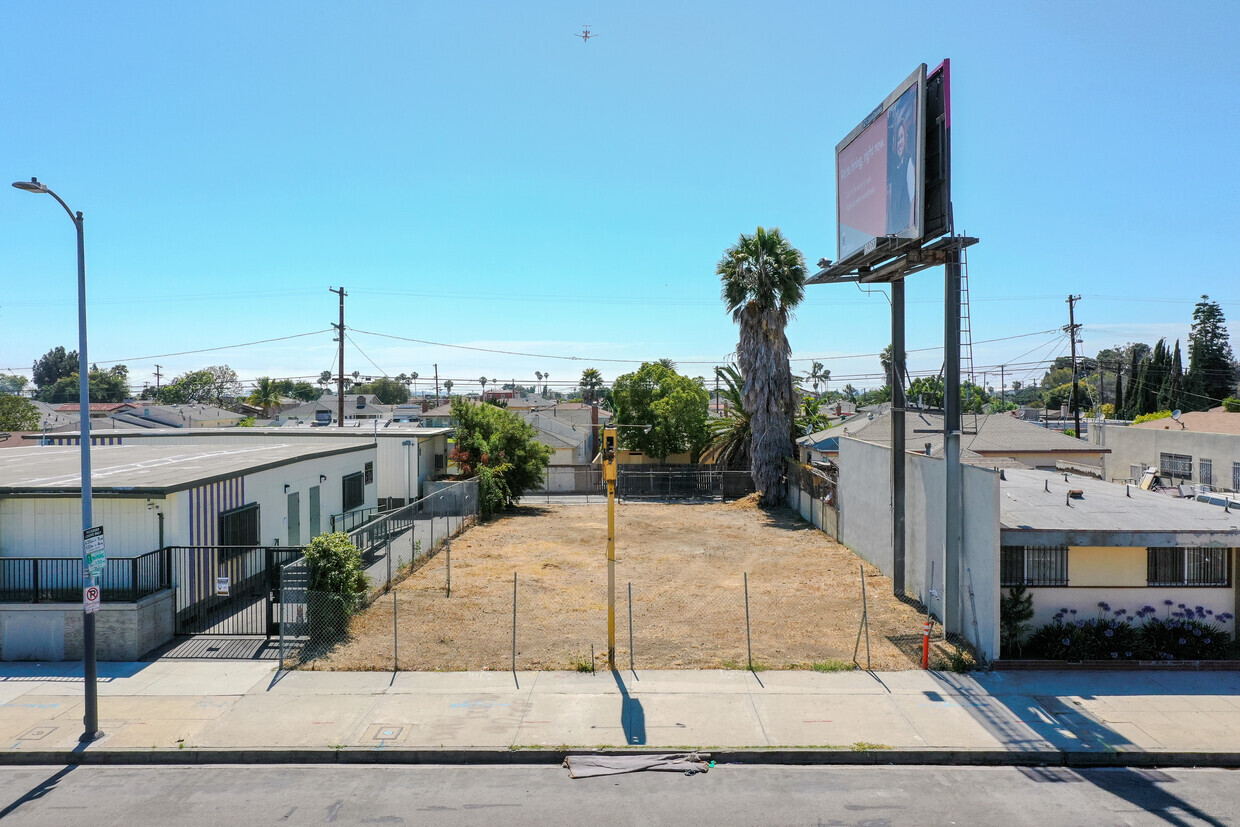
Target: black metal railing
x,y
350,520
60,580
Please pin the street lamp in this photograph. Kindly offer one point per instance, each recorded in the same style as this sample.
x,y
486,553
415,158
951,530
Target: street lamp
x,y
91,720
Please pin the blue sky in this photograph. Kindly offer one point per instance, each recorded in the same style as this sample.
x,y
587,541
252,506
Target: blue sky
x,y
475,175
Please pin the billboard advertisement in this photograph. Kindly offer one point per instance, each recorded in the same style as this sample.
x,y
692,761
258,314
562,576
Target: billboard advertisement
x,y
879,171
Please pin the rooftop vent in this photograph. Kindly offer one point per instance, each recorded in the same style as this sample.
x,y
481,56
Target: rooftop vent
x,y
1076,494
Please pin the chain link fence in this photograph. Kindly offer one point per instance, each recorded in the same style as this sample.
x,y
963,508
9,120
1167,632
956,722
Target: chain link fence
x,y
312,625
533,622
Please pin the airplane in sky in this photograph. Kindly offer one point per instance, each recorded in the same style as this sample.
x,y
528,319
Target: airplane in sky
x,y
585,34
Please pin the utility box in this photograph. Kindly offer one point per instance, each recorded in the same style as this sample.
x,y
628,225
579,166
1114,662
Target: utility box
x,y
609,454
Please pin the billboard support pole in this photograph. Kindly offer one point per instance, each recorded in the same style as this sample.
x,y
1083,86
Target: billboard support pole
x,y
951,440
897,437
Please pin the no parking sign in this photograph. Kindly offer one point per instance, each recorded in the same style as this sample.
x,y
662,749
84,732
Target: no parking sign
x,y
90,599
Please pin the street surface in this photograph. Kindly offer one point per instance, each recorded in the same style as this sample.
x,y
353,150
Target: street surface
x,y
434,795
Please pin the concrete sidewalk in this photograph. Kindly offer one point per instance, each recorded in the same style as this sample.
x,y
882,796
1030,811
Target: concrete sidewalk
x,y
195,711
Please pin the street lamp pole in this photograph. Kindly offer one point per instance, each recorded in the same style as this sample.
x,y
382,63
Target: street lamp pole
x,y
90,666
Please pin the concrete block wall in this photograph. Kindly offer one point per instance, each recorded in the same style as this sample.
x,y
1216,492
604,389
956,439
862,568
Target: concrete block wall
x,y
53,631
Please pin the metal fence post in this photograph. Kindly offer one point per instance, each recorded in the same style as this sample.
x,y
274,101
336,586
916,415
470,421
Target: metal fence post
x,y
395,637
748,642
280,621
448,556
514,623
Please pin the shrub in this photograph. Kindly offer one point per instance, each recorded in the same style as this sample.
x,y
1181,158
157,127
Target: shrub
x,y
1150,417
1015,612
1231,404
336,568
1108,636
1184,634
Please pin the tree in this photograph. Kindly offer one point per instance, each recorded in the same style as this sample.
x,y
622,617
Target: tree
x,y
591,382
413,378
850,392
224,384
1211,375
887,359
53,366
12,384
763,278
325,378
266,395
111,385
499,448
389,391
730,434
194,387
447,386
482,380
673,405
18,414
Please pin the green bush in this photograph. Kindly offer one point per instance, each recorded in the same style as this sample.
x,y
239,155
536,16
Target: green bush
x,y
1184,633
1015,612
336,568
1150,417
1231,404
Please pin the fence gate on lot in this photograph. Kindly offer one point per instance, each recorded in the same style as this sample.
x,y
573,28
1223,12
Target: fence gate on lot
x,y
228,590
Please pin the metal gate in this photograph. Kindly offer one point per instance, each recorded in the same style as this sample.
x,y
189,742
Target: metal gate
x,y
228,590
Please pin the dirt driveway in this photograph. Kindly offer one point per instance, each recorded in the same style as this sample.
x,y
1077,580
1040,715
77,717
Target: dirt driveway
x,y
686,566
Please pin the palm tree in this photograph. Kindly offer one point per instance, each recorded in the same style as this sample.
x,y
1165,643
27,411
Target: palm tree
x,y
266,395
546,376
447,386
325,378
482,380
731,434
413,377
591,381
763,278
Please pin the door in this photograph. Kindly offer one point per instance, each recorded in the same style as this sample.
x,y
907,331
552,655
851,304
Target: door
x,y
294,518
315,530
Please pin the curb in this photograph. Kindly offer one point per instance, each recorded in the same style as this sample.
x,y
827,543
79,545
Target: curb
x,y
1116,666
555,756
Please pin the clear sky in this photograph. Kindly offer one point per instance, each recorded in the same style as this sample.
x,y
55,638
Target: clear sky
x,y
473,174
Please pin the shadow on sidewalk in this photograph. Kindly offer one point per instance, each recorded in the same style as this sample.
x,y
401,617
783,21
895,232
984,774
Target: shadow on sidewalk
x,y
1026,712
632,716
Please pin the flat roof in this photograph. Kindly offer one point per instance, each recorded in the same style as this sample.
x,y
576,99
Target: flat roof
x,y
145,470
364,433
1038,501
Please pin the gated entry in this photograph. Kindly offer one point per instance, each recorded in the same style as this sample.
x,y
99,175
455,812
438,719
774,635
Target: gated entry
x,y
252,574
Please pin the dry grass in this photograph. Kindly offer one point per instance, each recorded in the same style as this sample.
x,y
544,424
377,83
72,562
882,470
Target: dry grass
x,y
686,564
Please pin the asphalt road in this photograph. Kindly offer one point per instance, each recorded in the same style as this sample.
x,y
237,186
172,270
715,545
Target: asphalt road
x,y
502,796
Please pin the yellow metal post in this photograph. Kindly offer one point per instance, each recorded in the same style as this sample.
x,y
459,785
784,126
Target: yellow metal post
x,y
609,476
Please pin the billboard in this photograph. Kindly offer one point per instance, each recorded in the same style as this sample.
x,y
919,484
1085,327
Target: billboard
x,y
879,172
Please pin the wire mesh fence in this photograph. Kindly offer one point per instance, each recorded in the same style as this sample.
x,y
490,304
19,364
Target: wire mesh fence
x,y
533,622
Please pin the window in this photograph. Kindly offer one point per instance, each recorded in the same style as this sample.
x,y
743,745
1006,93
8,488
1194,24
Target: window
x,y
1179,566
1207,472
1235,476
239,527
1175,465
353,491
1033,566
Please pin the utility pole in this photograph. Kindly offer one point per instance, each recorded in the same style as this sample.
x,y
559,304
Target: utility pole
x,y
157,375
436,385
340,376
1002,384
1072,329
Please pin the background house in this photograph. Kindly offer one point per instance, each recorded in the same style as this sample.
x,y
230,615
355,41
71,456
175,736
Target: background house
x,y
1205,451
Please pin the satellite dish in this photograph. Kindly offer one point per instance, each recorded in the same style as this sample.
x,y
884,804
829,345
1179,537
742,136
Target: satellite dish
x,y
1176,414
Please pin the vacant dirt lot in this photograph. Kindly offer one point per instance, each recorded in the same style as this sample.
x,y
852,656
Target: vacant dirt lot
x,y
686,566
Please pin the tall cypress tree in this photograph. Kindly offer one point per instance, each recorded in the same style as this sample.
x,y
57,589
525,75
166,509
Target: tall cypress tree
x,y
1210,375
1175,399
1119,391
1133,397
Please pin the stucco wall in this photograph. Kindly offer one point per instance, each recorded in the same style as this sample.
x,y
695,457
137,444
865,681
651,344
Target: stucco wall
x,y
1047,601
1142,446
865,527
1107,566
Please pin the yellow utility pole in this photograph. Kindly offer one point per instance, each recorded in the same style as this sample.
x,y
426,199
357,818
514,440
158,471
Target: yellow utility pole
x,y
609,477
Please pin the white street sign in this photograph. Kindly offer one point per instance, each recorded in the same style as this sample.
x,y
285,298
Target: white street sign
x,y
221,586
90,599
